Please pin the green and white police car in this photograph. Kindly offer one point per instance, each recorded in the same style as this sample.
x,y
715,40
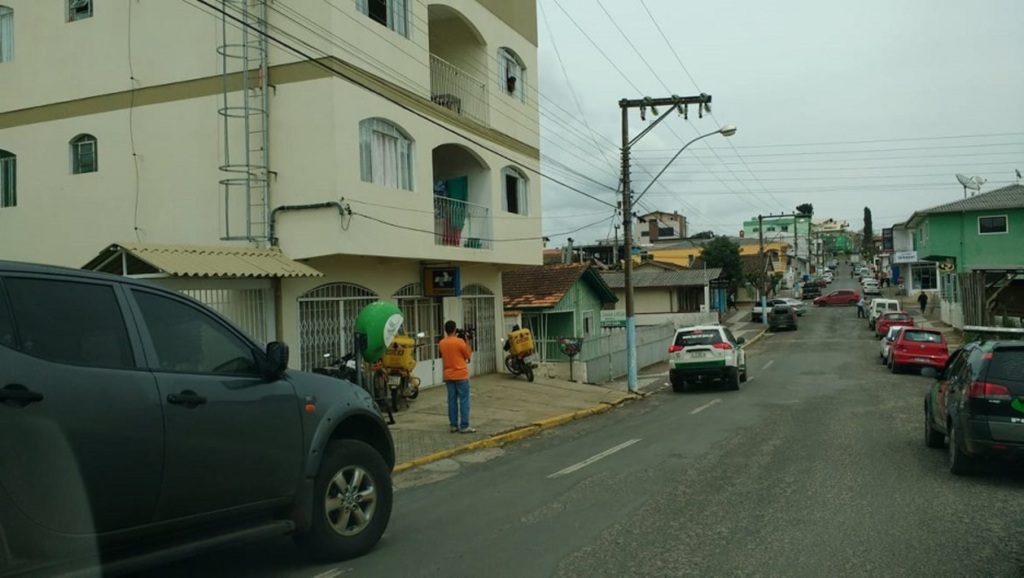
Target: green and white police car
x,y
705,353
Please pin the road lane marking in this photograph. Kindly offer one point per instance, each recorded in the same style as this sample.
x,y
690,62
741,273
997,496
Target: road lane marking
x,y
332,573
770,361
707,405
593,459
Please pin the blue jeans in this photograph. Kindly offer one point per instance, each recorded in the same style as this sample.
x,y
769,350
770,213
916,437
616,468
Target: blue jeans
x,y
458,403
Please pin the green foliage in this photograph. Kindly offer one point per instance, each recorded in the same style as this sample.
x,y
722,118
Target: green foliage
x,y
723,253
805,209
704,235
868,242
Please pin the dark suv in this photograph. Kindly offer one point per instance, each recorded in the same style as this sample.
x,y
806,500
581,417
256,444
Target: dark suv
x,y
978,403
138,426
782,317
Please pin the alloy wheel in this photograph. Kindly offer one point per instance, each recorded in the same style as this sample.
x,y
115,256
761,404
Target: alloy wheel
x,y
350,501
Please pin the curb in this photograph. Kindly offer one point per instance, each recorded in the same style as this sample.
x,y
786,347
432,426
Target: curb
x,y
754,339
516,434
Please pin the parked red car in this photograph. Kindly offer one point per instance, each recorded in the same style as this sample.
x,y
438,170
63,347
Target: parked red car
x,y
917,347
838,297
891,318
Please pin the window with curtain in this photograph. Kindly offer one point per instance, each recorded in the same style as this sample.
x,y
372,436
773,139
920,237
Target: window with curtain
x,y
8,182
6,34
514,191
512,74
385,154
79,10
394,14
84,157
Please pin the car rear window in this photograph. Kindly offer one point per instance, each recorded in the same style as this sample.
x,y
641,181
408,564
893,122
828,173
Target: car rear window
x,y
781,309
896,317
1006,365
698,337
923,336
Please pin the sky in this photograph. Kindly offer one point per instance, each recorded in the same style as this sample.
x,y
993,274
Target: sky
x,y
844,105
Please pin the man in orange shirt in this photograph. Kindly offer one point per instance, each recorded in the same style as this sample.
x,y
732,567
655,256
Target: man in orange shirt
x,y
455,354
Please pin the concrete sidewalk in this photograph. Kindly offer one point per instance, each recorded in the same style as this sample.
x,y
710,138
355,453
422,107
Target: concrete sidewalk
x,y
504,408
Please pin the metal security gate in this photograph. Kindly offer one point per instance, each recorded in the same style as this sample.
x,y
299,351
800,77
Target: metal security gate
x,y
421,315
250,309
478,315
327,317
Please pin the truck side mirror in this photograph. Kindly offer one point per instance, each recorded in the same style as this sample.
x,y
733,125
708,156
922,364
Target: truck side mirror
x,y
277,358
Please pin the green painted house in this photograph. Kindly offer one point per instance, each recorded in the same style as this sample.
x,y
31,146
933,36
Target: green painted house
x,y
982,232
554,301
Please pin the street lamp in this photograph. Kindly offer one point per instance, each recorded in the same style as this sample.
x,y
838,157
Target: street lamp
x,y
627,144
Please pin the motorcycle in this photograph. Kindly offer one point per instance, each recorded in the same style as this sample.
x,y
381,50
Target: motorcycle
x,y
519,359
521,364
347,369
398,363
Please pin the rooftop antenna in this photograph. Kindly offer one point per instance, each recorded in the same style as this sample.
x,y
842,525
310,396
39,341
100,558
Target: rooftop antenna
x,y
1018,175
968,183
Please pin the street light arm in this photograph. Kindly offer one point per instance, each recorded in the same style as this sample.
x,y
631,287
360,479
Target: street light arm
x,y
673,159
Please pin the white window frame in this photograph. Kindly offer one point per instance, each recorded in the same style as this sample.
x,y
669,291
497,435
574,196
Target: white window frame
x,y
398,15
8,179
79,10
522,192
510,64
1006,224
6,34
375,136
77,145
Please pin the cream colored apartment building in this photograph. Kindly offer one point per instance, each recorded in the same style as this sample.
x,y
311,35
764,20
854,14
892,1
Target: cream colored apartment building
x,y
285,161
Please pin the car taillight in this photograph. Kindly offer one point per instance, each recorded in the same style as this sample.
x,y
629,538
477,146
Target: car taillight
x,y
675,348
722,345
988,390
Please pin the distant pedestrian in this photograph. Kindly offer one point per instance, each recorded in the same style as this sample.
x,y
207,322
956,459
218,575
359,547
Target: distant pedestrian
x,y
860,308
455,355
922,300
732,302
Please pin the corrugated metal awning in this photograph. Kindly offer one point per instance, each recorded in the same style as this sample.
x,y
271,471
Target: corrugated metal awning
x,y
156,260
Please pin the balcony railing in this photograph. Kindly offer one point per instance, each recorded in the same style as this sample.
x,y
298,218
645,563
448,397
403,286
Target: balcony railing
x,y
461,224
458,91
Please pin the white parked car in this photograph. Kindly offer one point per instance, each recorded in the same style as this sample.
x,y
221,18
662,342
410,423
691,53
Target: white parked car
x,y
871,287
879,306
703,353
886,342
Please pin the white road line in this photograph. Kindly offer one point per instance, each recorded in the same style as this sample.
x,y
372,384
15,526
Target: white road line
x,y
770,361
593,459
332,573
707,405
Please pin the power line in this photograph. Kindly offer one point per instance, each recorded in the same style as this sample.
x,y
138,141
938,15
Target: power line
x,y
343,75
877,150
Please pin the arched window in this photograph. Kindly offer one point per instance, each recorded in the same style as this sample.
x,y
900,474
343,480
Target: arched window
x,y
514,192
6,34
8,179
511,73
385,154
84,154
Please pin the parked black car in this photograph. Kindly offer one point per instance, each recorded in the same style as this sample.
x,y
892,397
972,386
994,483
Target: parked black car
x,y
810,291
782,317
138,426
976,404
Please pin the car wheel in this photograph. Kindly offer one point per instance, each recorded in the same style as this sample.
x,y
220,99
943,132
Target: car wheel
x,y
743,376
352,498
960,464
678,385
932,438
733,380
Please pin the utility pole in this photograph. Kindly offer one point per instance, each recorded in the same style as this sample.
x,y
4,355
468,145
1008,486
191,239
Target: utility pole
x,y
681,104
762,284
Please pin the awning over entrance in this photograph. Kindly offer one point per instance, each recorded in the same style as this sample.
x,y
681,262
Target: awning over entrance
x,y
156,260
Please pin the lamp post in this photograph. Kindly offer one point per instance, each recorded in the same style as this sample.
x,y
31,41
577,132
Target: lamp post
x,y
627,204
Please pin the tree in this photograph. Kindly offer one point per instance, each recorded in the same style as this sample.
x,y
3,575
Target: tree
x,y
805,209
723,253
869,234
704,235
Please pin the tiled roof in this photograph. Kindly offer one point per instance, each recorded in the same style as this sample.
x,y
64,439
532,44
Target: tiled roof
x,y
544,286
198,261
683,278
1009,197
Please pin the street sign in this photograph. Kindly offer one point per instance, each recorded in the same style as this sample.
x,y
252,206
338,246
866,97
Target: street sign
x,y
613,318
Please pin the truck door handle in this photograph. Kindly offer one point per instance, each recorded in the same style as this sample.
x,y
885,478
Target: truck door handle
x,y
19,395
187,398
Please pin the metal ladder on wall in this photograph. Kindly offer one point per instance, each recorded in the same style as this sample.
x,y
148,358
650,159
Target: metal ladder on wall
x,y
244,115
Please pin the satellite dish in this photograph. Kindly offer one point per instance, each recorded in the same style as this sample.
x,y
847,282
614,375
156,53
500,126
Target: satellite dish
x,y
969,182
980,181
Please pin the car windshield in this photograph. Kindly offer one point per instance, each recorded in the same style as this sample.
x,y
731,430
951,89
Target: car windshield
x,y
919,336
698,337
1007,365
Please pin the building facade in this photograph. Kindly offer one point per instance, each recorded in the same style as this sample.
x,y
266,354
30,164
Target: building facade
x,y
367,139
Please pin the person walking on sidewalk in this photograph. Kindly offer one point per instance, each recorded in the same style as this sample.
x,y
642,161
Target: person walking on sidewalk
x,y
732,302
860,308
922,300
455,355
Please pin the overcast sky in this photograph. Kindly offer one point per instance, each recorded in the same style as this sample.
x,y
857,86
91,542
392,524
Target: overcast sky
x,y
876,103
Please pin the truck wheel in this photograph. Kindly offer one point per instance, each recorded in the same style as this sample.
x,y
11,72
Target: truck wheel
x,y
932,438
960,464
678,384
733,380
743,375
352,498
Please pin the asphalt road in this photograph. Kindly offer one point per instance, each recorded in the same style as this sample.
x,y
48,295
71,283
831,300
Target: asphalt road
x,y
816,467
